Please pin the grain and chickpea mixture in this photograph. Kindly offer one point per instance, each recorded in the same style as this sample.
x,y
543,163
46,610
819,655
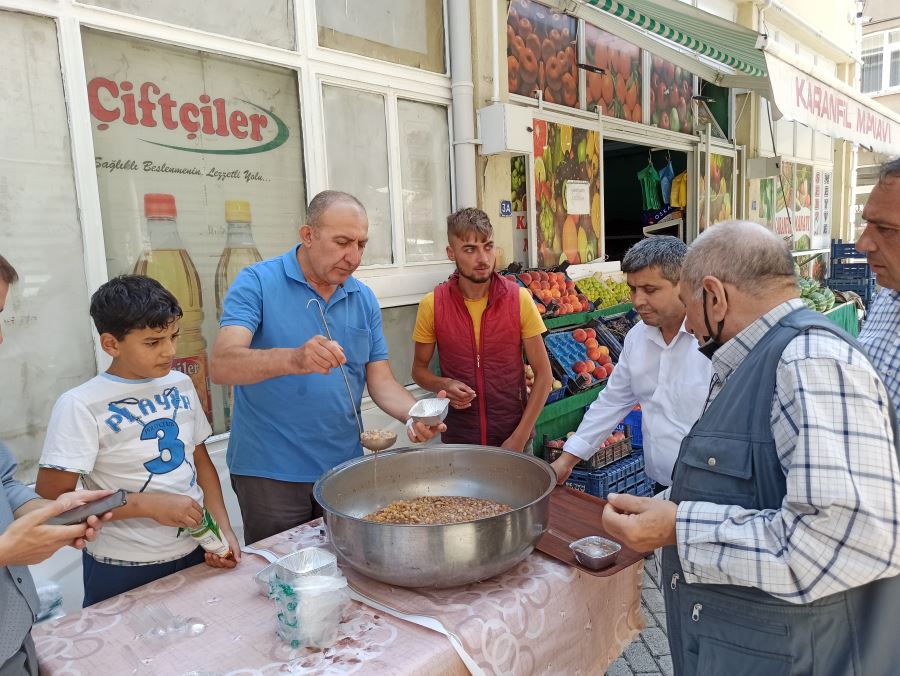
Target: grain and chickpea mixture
x,y
438,509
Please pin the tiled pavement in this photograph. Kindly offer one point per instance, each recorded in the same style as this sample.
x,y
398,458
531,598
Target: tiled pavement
x,y
649,652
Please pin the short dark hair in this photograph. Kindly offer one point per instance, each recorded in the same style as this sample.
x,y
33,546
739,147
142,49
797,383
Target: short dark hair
x,y
662,251
889,170
469,219
133,302
8,273
327,199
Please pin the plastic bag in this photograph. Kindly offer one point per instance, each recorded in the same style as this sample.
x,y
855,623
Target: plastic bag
x,y
309,609
665,182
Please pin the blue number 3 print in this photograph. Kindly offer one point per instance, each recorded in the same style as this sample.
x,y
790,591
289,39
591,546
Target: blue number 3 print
x,y
171,448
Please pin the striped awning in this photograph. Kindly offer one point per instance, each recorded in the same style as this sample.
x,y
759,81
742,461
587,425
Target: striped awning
x,y
714,38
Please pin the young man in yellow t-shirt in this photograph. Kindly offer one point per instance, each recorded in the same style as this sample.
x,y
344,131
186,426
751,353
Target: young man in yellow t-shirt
x,y
480,323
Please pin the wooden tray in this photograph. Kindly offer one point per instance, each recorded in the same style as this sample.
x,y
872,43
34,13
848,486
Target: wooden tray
x,y
574,515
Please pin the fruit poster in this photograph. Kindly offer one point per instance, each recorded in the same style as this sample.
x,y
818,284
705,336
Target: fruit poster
x,y
802,213
618,89
565,153
761,201
721,182
218,142
518,197
784,206
671,89
541,53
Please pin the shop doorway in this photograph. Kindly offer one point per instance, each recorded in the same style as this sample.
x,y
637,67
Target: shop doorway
x,y
628,211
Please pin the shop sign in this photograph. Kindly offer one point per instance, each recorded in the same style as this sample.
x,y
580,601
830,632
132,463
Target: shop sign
x,y
810,101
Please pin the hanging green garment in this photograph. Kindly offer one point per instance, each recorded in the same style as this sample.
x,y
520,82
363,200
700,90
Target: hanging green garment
x,y
648,177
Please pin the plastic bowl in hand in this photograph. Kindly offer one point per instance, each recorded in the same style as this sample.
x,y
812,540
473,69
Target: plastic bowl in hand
x,y
430,412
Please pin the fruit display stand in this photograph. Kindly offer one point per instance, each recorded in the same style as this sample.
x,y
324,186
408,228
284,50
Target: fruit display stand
x,y
561,417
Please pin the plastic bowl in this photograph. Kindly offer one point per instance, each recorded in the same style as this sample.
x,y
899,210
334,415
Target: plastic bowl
x,y
430,411
595,552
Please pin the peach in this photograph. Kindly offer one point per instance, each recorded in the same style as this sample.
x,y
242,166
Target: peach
x,y
604,359
591,343
579,335
525,278
599,373
609,369
590,333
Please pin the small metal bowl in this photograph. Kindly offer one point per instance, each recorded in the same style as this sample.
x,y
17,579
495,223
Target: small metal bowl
x,y
430,411
595,552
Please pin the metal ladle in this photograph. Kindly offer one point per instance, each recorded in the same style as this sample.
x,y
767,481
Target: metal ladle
x,y
374,440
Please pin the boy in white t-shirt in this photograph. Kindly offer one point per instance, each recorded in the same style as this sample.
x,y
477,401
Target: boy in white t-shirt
x,y
139,426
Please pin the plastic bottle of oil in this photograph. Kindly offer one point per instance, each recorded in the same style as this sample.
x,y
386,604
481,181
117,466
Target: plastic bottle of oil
x,y
240,251
166,260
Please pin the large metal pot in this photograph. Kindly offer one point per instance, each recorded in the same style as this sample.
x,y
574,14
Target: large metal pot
x,y
436,555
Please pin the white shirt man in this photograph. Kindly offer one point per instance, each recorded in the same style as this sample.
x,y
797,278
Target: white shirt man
x,y
669,380
660,368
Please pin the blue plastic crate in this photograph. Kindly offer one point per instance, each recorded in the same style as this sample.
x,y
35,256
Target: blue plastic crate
x,y
623,476
850,271
841,249
864,288
633,420
556,395
565,351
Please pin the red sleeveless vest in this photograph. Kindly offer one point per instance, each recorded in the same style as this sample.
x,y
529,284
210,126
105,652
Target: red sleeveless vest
x,y
495,372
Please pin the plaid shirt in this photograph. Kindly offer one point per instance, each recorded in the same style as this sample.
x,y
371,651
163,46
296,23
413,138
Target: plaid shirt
x,y
881,338
837,527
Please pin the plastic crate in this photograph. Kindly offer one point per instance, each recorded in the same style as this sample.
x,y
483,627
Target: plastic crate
x,y
564,351
620,477
603,457
556,395
633,421
841,249
864,288
563,416
850,270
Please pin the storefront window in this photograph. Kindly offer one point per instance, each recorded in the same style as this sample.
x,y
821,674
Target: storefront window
x,y
269,22
425,176
671,89
567,176
541,53
200,169
47,330
398,324
408,32
618,90
357,157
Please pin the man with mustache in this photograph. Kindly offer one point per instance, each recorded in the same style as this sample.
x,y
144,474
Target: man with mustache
x,y
480,322
880,242
659,368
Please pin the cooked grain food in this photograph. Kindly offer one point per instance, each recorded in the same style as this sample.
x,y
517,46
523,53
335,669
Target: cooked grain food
x,y
437,509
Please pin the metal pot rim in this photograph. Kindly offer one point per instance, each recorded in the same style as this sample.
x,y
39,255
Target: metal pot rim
x,y
317,488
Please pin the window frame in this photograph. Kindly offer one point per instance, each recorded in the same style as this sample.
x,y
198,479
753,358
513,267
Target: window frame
x,y
312,65
886,50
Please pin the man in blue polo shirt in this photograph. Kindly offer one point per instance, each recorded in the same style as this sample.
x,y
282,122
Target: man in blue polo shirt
x,y
292,419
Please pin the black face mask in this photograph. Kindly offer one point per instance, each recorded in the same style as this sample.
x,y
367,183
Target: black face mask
x,y
711,343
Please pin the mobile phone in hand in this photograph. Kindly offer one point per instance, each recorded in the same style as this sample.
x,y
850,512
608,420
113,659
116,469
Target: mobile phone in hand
x,y
81,513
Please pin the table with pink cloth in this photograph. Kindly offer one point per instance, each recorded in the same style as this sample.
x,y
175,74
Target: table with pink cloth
x,y
542,616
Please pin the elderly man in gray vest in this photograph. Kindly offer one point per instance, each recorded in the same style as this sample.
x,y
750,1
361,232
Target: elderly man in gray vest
x,y
782,528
